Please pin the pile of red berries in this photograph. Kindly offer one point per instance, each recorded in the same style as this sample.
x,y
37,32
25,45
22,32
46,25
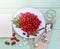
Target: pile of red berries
x,y
29,22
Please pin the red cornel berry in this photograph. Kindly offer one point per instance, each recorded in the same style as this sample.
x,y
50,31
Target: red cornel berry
x,y
29,23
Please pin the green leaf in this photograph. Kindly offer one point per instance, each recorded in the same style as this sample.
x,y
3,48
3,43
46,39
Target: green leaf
x,y
17,25
15,21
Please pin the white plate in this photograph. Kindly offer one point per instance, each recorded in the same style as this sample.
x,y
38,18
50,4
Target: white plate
x,y
34,11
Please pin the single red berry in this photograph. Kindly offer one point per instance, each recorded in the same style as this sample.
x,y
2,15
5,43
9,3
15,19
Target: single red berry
x,y
13,43
13,34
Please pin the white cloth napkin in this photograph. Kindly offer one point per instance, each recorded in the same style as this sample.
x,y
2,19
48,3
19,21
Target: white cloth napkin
x,y
5,25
